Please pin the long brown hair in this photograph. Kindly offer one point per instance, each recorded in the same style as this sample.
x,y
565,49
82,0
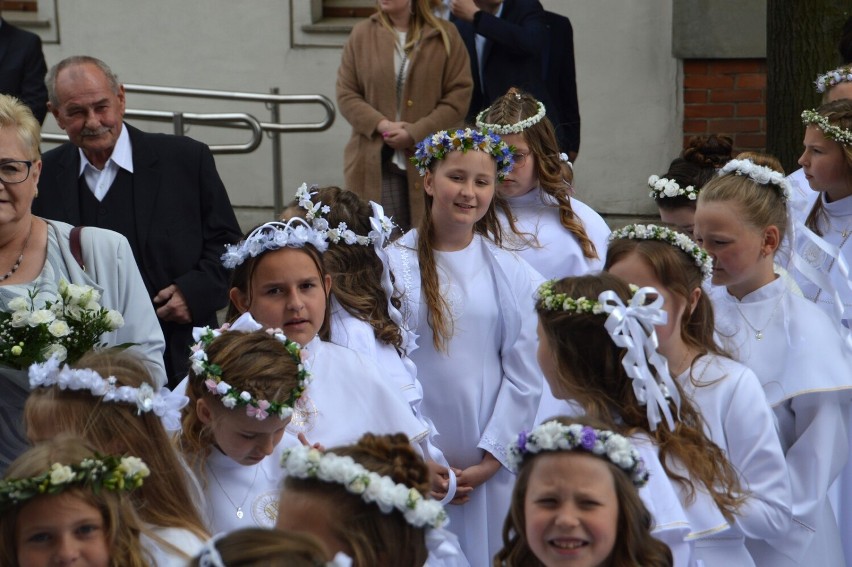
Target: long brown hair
x,y
838,113
261,547
634,544
375,538
554,176
589,369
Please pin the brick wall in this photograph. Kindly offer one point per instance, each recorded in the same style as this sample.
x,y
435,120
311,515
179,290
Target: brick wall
x,y
726,96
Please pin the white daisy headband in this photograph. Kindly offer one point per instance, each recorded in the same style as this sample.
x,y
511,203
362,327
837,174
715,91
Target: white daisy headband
x,y
164,403
662,188
515,128
555,436
833,78
381,230
840,135
663,234
231,397
373,488
295,233
759,174
632,328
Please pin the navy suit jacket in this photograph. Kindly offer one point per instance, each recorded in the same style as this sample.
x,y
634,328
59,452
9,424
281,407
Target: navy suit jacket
x,y
22,68
513,55
560,75
183,221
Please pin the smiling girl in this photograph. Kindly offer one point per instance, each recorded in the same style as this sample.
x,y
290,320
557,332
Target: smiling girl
x,y
794,349
470,302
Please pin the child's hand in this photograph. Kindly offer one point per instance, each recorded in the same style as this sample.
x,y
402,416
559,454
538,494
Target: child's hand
x,y
474,476
462,492
304,441
440,480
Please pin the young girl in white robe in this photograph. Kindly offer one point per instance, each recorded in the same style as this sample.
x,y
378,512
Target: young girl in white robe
x,y
597,346
555,232
728,394
470,303
793,347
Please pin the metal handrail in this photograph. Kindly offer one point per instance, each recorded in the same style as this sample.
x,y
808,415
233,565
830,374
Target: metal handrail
x,y
274,128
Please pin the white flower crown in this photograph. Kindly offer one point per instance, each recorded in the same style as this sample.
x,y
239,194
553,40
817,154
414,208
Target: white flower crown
x,y
840,135
663,234
555,436
631,327
164,403
832,78
314,214
515,128
232,397
373,488
759,174
295,233
662,188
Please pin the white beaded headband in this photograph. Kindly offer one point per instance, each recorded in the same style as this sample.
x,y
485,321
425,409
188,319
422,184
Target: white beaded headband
x,y
515,128
840,135
759,174
663,234
309,463
295,233
164,403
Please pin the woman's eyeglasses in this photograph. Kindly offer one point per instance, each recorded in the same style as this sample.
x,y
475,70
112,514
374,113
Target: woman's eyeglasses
x,y
16,171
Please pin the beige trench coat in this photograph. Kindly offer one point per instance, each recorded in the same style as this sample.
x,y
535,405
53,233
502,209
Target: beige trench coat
x,y
435,97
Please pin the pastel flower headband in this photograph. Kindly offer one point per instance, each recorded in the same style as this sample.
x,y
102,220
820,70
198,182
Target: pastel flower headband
x,y
436,146
555,436
840,135
833,78
662,188
164,403
663,234
373,488
515,128
96,473
631,328
259,409
295,233
759,174
381,229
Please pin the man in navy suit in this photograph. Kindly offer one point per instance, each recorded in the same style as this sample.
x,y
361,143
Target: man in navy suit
x,y
160,191
22,68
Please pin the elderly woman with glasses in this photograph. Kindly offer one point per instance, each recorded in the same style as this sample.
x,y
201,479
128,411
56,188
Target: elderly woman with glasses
x,y
36,254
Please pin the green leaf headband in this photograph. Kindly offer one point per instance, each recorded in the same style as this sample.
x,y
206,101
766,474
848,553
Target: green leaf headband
x,y
436,146
232,397
840,135
96,473
555,436
663,234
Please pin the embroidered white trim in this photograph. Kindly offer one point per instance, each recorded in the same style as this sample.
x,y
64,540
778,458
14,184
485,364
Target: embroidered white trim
x,y
295,233
515,128
555,436
840,135
663,234
164,403
833,78
662,187
759,174
373,488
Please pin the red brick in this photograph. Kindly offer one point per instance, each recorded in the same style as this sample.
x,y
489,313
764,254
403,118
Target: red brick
x,y
708,110
750,141
751,109
736,95
708,82
736,66
735,125
695,67
695,126
755,81
694,96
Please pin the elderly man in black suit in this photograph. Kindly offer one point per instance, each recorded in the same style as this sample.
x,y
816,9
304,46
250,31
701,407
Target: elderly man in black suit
x,y
162,192
22,68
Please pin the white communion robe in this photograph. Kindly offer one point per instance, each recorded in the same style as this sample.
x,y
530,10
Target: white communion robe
x,y
805,372
187,543
550,248
485,389
741,422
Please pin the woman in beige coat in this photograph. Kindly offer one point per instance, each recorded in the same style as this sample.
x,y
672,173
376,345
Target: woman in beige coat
x,y
404,74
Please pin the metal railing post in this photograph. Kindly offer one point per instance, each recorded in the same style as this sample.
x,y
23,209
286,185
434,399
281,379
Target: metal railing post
x,y
277,176
178,124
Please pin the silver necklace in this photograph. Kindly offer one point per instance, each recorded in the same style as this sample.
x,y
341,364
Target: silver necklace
x,y
225,492
20,259
758,333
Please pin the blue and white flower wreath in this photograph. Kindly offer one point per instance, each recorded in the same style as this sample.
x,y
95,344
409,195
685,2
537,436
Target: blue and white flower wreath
x,y
436,146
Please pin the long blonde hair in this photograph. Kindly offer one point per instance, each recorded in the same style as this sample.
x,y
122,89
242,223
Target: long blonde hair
x,y
421,16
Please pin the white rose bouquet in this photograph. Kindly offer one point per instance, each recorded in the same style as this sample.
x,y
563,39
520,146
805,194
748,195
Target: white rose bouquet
x,y
68,327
